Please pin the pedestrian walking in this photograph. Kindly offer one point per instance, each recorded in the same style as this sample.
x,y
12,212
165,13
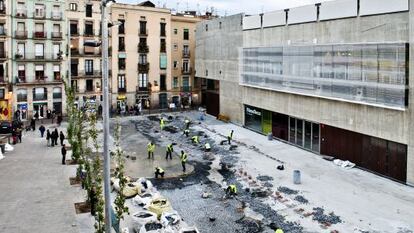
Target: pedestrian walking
x,y
59,119
19,132
42,130
48,137
183,158
230,137
62,138
33,124
63,154
56,136
169,151
162,123
151,149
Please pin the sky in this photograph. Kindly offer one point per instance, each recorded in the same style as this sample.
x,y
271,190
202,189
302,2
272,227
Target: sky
x,y
229,7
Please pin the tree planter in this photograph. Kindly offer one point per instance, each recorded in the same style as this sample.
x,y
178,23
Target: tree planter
x,y
82,207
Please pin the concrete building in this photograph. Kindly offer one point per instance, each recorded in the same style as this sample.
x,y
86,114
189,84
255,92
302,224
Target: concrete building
x,y
37,49
5,98
84,19
185,88
332,78
141,55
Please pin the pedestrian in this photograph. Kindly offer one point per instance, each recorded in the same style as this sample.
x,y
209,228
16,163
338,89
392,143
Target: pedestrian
x,y
151,149
59,119
63,154
19,132
186,132
187,123
42,130
159,172
36,116
231,190
33,124
230,137
62,138
162,123
56,136
195,139
183,158
48,114
100,110
170,149
48,137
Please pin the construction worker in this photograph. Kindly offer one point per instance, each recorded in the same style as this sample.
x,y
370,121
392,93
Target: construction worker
x,y
278,230
187,123
169,151
186,132
162,123
231,190
230,137
195,139
151,149
159,172
183,158
207,147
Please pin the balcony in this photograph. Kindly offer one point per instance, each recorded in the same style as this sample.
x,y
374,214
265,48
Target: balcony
x,y
82,73
39,15
142,89
121,90
185,89
29,57
55,15
143,67
21,13
186,54
74,51
88,33
57,35
143,48
20,79
39,35
143,32
187,71
20,34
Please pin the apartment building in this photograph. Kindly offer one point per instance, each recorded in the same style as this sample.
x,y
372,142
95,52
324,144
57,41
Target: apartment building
x,y
37,51
5,98
331,78
83,18
141,55
185,87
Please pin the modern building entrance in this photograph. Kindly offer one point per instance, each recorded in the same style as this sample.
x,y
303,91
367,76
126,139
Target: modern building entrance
x,y
304,134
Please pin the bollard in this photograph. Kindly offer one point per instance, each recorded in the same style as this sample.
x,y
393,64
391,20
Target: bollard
x,y
270,136
296,177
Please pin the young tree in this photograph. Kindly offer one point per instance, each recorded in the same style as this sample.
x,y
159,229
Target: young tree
x,y
119,154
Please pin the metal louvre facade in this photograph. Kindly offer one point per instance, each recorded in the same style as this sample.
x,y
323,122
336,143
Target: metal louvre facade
x,y
374,74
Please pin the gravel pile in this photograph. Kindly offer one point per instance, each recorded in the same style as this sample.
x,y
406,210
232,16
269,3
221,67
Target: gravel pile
x,y
301,199
152,226
264,178
318,215
287,190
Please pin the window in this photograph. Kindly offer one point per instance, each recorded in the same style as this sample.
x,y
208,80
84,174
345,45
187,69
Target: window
x,y
121,28
186,50
186,82
88,28
142,59
121,63
89,67
175,31
121,83
56,51
39,72
163,83
39,30
163,46
73,6
21,95
21,75
175,64
2,29
186,65
142,27
162,28
39,51
21,50
143,80
56,72
74,28
175,82
186,34
121,44
89,85
57,93
88,10
39,11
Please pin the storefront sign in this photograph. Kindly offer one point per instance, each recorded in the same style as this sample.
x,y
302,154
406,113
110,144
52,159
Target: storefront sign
x,y
253,112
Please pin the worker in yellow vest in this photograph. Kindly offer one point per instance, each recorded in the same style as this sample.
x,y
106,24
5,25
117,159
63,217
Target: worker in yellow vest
x,y
231,190
169,151
195,139
162,123
159,172
151,149
279,230
230,137
183,158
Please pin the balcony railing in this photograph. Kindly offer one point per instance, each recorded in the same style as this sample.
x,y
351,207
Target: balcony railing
x,y
186,53
185,89
21,13
142,89
57,35
187,71
20,34
143,67
143,48
39,16
37,97
121,90
43,57
56,15
143,32
82,73
20,79
40,35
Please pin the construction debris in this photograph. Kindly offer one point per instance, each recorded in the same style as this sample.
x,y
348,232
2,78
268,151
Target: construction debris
x,y
331,218
301,199
287,190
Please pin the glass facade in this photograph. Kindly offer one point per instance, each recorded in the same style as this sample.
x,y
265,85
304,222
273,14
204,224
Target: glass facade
x,y
365,73
253,118
304,134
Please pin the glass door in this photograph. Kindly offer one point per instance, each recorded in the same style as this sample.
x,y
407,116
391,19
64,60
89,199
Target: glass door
x,y
292,130
299,132
308,135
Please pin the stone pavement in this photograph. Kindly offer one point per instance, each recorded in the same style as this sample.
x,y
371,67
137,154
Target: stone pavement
x,y
36,195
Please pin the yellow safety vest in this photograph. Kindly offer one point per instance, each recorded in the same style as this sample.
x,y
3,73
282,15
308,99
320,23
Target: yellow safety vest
x,y
233,188
162,122
170,148
279,231
150,147
184,157
160,170
195,139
